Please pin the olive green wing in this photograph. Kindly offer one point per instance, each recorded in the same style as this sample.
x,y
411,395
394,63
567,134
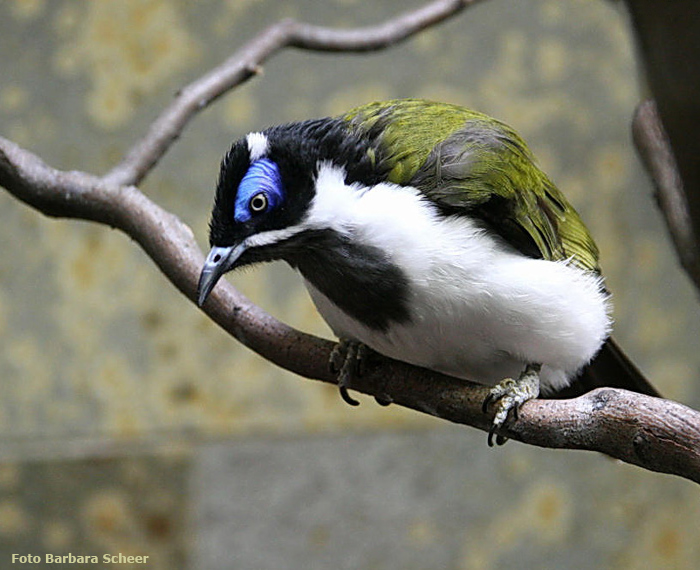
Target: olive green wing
x,y
471,164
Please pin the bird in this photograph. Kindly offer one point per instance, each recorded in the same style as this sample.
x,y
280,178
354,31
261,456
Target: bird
x,y
427,233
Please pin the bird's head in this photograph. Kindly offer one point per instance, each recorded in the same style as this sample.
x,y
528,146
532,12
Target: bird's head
x,y
285,193
266,189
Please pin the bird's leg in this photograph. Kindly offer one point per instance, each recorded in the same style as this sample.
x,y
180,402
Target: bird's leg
x,y
509,395
348,360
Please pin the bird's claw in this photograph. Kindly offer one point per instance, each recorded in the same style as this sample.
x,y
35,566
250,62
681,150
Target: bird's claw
x,y
348,360
509,395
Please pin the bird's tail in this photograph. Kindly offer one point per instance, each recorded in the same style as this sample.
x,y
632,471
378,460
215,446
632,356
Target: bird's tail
x,y
612,368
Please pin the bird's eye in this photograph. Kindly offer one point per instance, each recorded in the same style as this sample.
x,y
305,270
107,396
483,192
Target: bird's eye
x,y
258,203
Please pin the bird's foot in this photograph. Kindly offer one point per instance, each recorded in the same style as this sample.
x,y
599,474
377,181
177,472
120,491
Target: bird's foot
x,y
348,360
509,395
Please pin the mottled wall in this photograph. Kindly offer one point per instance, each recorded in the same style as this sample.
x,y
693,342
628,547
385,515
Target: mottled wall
x,y
102,358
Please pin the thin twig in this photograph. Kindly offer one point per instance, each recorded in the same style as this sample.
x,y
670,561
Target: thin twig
x,y
246,63
655,150
666,35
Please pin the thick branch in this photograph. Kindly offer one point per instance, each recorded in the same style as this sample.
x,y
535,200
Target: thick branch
x,y
246,62
656,434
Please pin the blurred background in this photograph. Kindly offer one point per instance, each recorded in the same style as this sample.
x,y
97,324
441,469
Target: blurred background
x,y
130,423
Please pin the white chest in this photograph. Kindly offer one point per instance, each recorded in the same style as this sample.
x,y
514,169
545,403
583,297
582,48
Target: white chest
x,y
478,310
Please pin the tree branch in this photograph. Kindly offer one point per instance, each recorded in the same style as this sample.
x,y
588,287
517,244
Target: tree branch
x,y
246,62
653,147
656,434
667,35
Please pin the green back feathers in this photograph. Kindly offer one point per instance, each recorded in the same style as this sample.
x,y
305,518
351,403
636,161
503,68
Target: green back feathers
x,y
470,163
408,131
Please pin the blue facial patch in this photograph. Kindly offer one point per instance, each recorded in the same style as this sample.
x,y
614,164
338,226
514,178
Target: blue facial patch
x,y
262,176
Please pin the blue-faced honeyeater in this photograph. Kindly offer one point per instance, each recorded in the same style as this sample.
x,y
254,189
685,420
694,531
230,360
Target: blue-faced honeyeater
x,y
426,232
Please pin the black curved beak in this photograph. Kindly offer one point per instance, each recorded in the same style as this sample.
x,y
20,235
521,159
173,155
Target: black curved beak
x,y
219,261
